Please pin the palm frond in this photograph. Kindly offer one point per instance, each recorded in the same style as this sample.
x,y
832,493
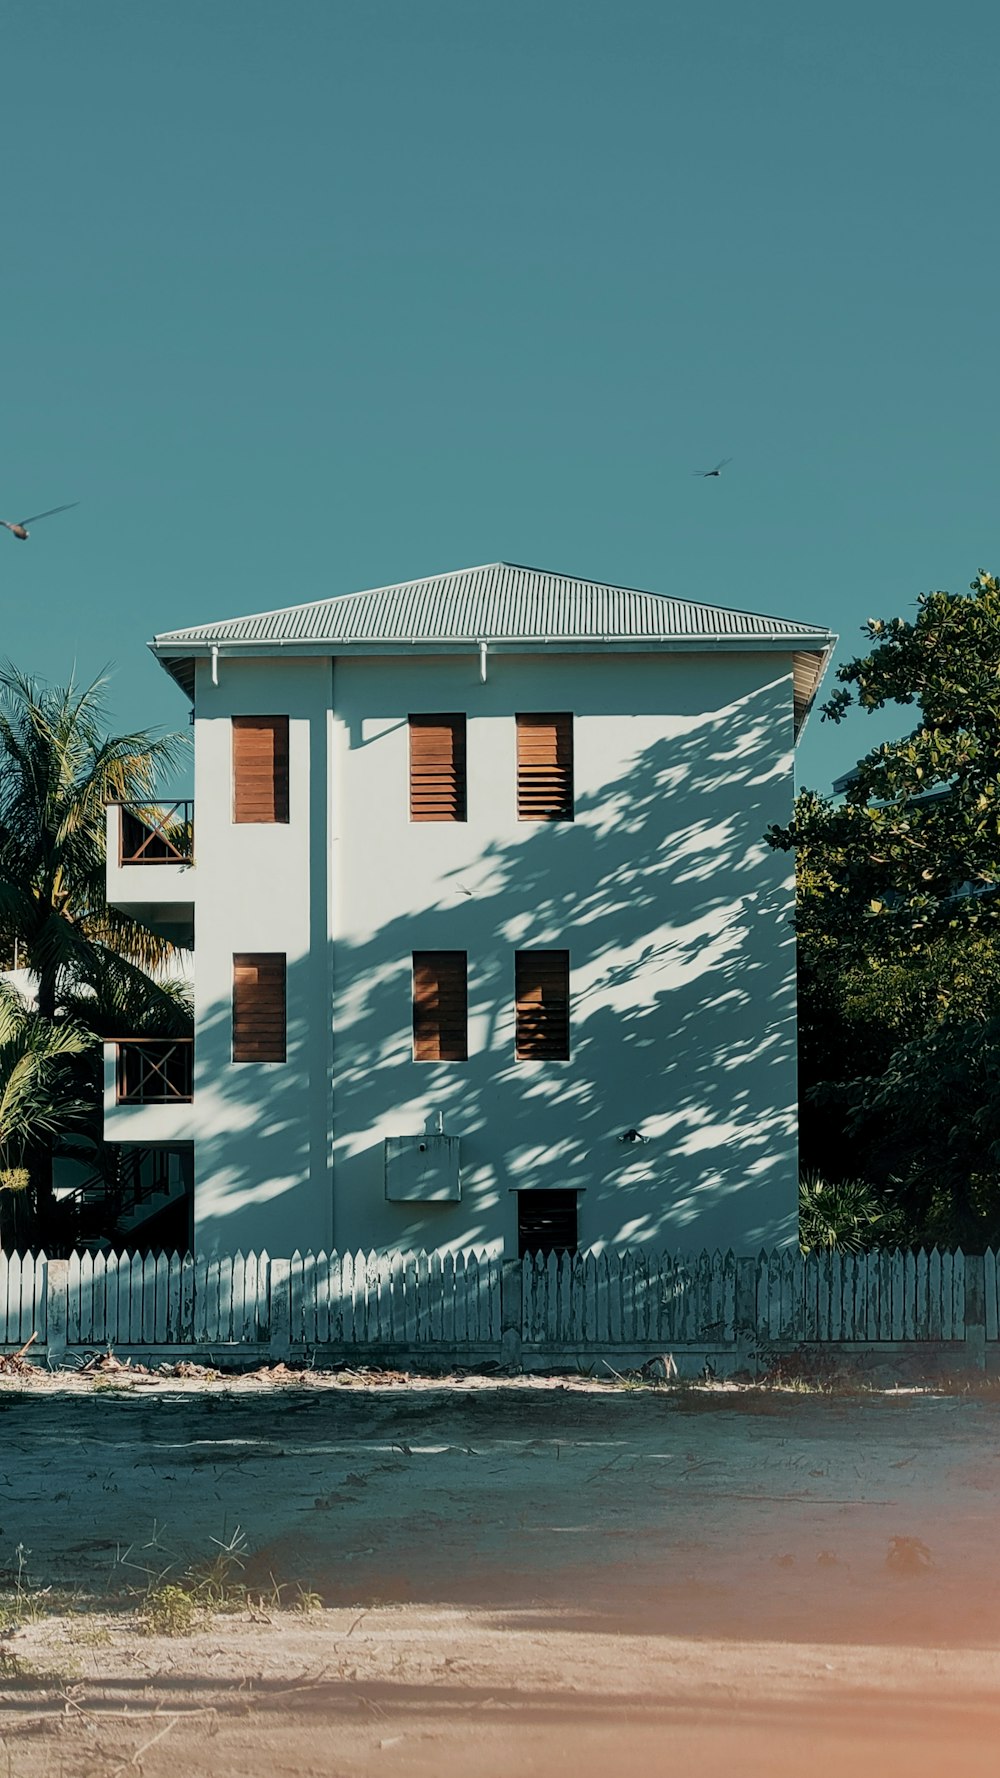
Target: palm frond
x,y
39,1095
59,768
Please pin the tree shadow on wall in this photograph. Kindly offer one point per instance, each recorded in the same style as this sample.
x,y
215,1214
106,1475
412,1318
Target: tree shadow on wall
x,y
677,917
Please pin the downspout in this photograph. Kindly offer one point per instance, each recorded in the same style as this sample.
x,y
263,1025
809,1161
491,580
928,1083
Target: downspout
x,y
483,650
215,663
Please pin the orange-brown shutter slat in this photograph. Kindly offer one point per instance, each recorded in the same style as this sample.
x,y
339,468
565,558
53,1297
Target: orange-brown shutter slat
x,y
260,768
541,991
545,766
437,768
440,1006
259,1021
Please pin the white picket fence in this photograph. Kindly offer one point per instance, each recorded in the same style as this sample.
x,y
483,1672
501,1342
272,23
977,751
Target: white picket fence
x,y
635,1298
476,1302
389,1299
146,1300
22,1298
412,1299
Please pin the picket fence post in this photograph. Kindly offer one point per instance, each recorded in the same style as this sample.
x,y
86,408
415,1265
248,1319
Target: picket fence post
x,y
280,1341
510,1314
745,1314
56,1306
975,1310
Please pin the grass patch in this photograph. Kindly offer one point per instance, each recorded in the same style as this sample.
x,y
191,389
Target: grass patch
x,y
21,1600
178,1599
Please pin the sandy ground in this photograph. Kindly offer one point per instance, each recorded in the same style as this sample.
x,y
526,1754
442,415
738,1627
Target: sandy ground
x,y
520,1577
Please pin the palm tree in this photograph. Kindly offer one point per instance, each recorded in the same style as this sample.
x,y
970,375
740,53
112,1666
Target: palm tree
x,y
58,770
39,1096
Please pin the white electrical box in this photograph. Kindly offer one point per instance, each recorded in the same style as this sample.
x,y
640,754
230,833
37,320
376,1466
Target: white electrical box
x,y
424,1169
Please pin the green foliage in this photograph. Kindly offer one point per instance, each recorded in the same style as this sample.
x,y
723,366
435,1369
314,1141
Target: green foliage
x,y
37,1091
170,1610
177,1600
913,852
58,771
847,1216
21,1601
40,1099
898,920
59,768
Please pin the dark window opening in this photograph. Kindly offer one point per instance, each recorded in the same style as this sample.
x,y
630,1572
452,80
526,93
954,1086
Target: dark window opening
x,y
547,1222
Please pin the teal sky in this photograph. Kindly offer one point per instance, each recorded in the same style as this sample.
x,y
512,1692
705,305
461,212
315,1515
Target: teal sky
x,y
304,296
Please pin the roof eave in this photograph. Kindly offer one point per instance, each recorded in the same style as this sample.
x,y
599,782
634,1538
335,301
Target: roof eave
x,y
818,662
811,653
774,643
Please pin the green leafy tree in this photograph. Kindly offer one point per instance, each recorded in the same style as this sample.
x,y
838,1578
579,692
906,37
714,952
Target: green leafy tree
x,y
899,926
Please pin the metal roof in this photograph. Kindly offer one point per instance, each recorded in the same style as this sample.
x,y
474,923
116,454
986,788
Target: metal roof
x,y
500,603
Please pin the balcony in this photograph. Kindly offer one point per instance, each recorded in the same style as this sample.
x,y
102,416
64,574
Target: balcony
x,y
148,1088
150,864
156,1071
156,833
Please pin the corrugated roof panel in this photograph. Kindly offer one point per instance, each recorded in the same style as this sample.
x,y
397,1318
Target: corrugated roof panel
x,y
496,602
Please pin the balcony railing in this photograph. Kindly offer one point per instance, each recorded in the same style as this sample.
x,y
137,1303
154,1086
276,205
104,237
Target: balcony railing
x,y
156,833
154,1071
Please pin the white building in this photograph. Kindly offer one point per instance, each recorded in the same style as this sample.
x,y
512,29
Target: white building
x,y
489,944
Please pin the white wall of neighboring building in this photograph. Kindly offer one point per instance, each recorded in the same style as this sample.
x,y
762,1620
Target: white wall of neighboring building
x,y
675,912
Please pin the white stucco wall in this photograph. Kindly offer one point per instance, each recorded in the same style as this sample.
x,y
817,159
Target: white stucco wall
x,y
673,908
262,1155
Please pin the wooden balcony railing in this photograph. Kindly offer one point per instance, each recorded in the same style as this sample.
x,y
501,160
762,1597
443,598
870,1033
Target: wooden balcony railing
x,y
154,1070
156,833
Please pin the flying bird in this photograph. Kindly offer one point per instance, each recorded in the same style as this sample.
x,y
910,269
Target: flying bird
x,y
19,527
719,467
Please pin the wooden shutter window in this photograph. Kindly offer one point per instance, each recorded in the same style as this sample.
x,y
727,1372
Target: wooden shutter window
x,y
545,766
437,768
440,1006
259,1006
260,768
541,989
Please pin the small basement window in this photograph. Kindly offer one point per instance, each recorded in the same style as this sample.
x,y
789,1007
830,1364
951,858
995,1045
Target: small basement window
x,y
547,1222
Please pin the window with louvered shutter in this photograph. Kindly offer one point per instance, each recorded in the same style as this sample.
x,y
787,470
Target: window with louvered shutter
x,y
260,768
545,766
440,1006
541,988
437,768
259,1006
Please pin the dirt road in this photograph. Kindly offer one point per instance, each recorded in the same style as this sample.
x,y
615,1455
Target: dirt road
x,y
526,1578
